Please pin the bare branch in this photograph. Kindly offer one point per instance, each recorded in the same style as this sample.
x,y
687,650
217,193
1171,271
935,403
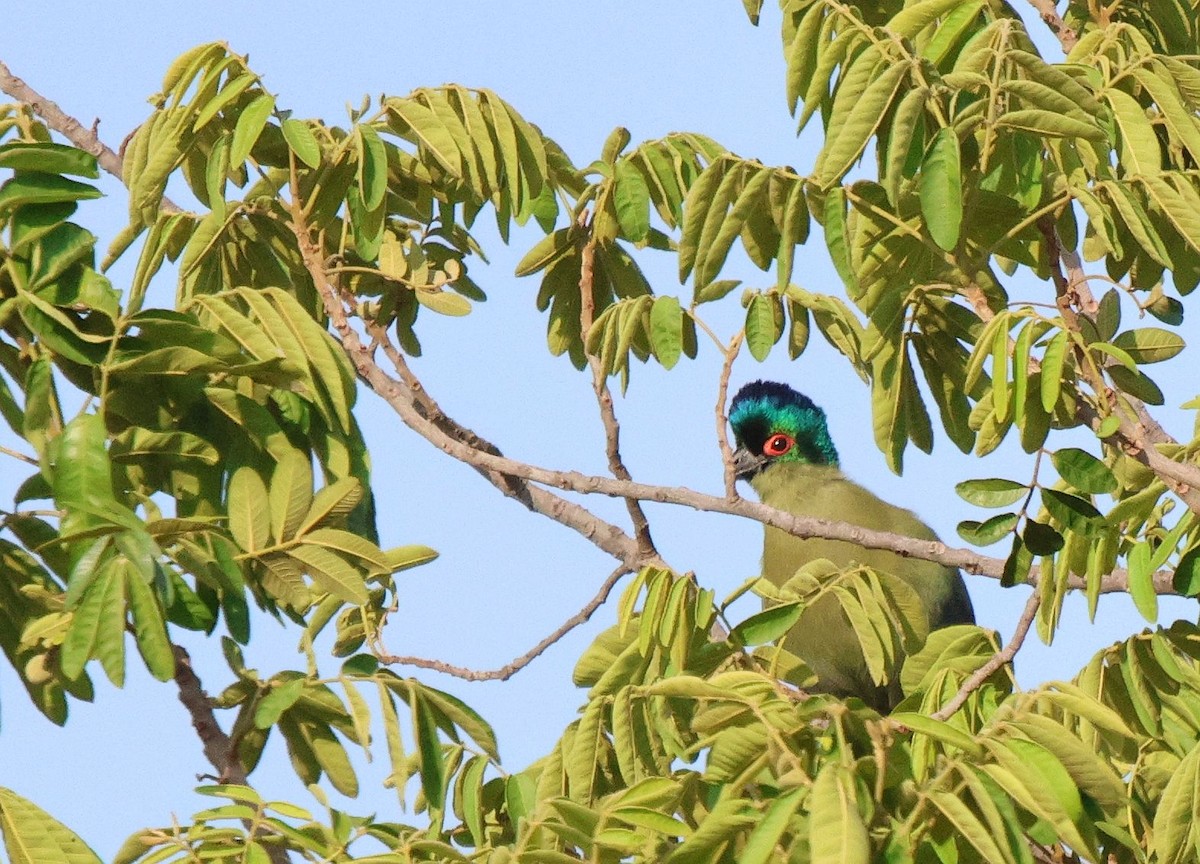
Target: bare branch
x,y
1067,37
509,669
731,353
67,126
608,415
421,413
16,454
1133,434
219,748
1001,657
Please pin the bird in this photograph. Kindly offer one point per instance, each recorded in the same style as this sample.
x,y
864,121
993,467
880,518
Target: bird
x,y
785,452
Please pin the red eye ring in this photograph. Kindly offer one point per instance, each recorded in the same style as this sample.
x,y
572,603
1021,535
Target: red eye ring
x,y
778,445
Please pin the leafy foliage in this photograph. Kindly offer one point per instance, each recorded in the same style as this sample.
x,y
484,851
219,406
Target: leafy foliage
x,y
198,459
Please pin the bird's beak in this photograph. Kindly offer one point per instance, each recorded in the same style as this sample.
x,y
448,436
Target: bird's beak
x,y
746,464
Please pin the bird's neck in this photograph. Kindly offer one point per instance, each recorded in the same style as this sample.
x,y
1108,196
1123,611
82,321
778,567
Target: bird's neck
x,y
788,480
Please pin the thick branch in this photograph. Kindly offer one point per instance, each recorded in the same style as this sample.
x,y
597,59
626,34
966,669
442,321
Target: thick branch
x,y
1133,435
67,126
1001,657
1067,37
421,413
219,749
509,669
608,416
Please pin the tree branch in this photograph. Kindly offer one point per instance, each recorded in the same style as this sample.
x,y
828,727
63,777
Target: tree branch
x,y
67,126
608,416
509,669
219,749
1133,434
1066,36
731,353
1001,657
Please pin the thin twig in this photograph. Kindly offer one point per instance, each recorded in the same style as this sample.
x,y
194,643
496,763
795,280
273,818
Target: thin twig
x,y
1000,658
509,669
608,415
67,126
16,454
731,353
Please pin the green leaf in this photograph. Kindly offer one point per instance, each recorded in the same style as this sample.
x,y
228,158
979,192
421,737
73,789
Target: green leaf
x,y
372,166
837,834
941,189
1053,362
1050,124
992,492
249,126
989,531
1041,539
760,845
1177,812
30,188
404,557
762,331
422,126
48,158
939,730
302,141
666,330
290,494
149,627
1149,344
862,117
1187,574
350,545
281,698
330,572
768,625
444,302
631,196
432,768
1084,471
1138,148
33,836
1141,582
249,510
1071,511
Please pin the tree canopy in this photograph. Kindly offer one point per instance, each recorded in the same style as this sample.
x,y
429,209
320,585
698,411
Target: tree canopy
x,y
189,462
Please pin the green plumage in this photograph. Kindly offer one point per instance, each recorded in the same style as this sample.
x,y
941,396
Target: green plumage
x,y
805,479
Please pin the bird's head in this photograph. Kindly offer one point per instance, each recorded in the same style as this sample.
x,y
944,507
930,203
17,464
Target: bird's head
x,y
772,423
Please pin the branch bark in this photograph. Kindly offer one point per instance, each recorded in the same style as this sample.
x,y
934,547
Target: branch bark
x,y
67,126
219,748
608,416
1066,36
1133,435
1000,658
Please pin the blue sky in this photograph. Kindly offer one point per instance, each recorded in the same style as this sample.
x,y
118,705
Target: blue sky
x,y
506,577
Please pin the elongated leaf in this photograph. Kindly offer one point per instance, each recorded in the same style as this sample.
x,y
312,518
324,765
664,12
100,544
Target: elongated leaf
x,y
302,141
330,572
290,494
249,509
33,836
250,125
837,834
941,189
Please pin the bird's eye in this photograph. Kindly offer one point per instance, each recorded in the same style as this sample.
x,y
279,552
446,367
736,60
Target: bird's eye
x,y
779,444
